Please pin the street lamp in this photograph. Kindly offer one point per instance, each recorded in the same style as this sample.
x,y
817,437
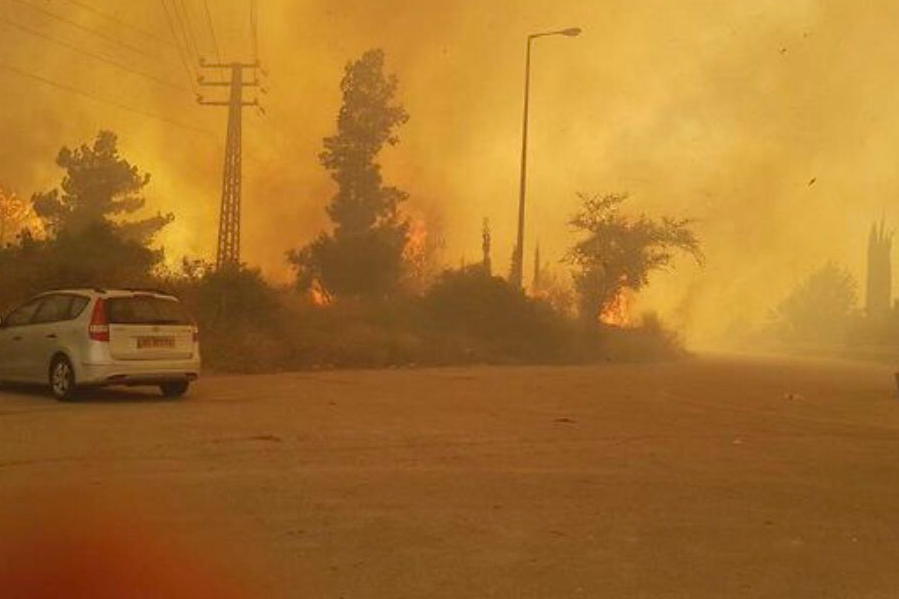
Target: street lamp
x,y
518,256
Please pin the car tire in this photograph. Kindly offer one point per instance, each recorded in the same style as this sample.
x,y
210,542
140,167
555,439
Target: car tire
x,y
174,389
62,379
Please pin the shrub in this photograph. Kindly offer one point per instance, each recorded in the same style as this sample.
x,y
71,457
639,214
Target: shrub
x,y
473,315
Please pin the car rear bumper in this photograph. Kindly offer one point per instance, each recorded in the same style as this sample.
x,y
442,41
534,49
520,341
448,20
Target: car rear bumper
x,y
150,372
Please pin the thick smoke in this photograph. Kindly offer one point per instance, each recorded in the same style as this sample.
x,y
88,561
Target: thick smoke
x,y
724,112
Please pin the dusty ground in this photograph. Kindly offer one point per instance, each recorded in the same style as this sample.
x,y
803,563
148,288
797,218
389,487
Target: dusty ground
x,y
720,477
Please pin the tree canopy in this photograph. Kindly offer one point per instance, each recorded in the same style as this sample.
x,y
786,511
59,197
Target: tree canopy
x,y
87,240
99,186
820,308
619,252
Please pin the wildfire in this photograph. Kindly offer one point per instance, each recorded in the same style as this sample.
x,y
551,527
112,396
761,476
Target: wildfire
x,y
618,312
416,251
16,215
417,242
319,296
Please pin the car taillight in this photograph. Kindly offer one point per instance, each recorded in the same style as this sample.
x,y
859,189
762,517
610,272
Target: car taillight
x,y
98,330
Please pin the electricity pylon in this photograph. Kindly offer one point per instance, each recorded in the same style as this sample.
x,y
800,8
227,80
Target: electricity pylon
x,y
229,217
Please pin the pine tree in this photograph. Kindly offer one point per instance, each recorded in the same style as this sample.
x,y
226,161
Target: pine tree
x,y
363,256
99,188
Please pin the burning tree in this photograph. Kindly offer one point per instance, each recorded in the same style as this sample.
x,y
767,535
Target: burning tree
x,y
16,215
614,259
364,255
422,257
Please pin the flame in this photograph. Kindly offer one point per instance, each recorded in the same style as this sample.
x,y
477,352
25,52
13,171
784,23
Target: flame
x,y
618,312
416,242
416,251
16,215
318,296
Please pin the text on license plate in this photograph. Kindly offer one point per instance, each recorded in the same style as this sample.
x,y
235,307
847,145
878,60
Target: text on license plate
x,y
155,342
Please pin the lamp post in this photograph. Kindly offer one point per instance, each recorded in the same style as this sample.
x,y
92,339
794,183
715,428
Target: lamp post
x,y
518,257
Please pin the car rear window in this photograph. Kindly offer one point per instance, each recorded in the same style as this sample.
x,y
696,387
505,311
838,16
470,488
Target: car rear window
x,y
146,310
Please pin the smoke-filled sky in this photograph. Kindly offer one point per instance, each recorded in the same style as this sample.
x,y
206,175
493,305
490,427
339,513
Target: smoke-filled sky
x,y
722,111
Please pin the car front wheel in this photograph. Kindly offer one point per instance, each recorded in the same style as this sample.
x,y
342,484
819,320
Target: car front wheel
x,y
62,379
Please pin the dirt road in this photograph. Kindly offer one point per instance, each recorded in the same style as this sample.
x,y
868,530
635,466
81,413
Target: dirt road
x,y
719,477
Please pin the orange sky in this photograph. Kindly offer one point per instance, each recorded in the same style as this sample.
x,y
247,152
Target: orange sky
x,y
721,111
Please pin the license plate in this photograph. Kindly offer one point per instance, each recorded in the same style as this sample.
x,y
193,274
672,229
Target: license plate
x,y
155,342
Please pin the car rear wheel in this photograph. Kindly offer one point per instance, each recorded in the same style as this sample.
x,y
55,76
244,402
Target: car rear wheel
x,y
62,379
174,389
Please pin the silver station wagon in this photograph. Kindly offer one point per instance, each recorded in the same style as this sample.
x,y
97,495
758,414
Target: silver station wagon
x,y
96,337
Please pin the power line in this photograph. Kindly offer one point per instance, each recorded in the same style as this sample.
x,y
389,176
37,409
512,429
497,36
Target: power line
x,y
212,30
186,29
90,54
119,21
93,32
254,23
191,75
103,100
189,19
182,30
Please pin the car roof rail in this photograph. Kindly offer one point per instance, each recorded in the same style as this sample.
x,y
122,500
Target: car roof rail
x,y
73,288
149,290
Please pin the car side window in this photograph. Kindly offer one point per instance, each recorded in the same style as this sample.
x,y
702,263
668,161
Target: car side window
x,y
54,309
77,307
23,314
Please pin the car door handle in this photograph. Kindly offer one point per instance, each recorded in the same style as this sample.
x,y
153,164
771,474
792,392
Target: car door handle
x,y
51,336
16,338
